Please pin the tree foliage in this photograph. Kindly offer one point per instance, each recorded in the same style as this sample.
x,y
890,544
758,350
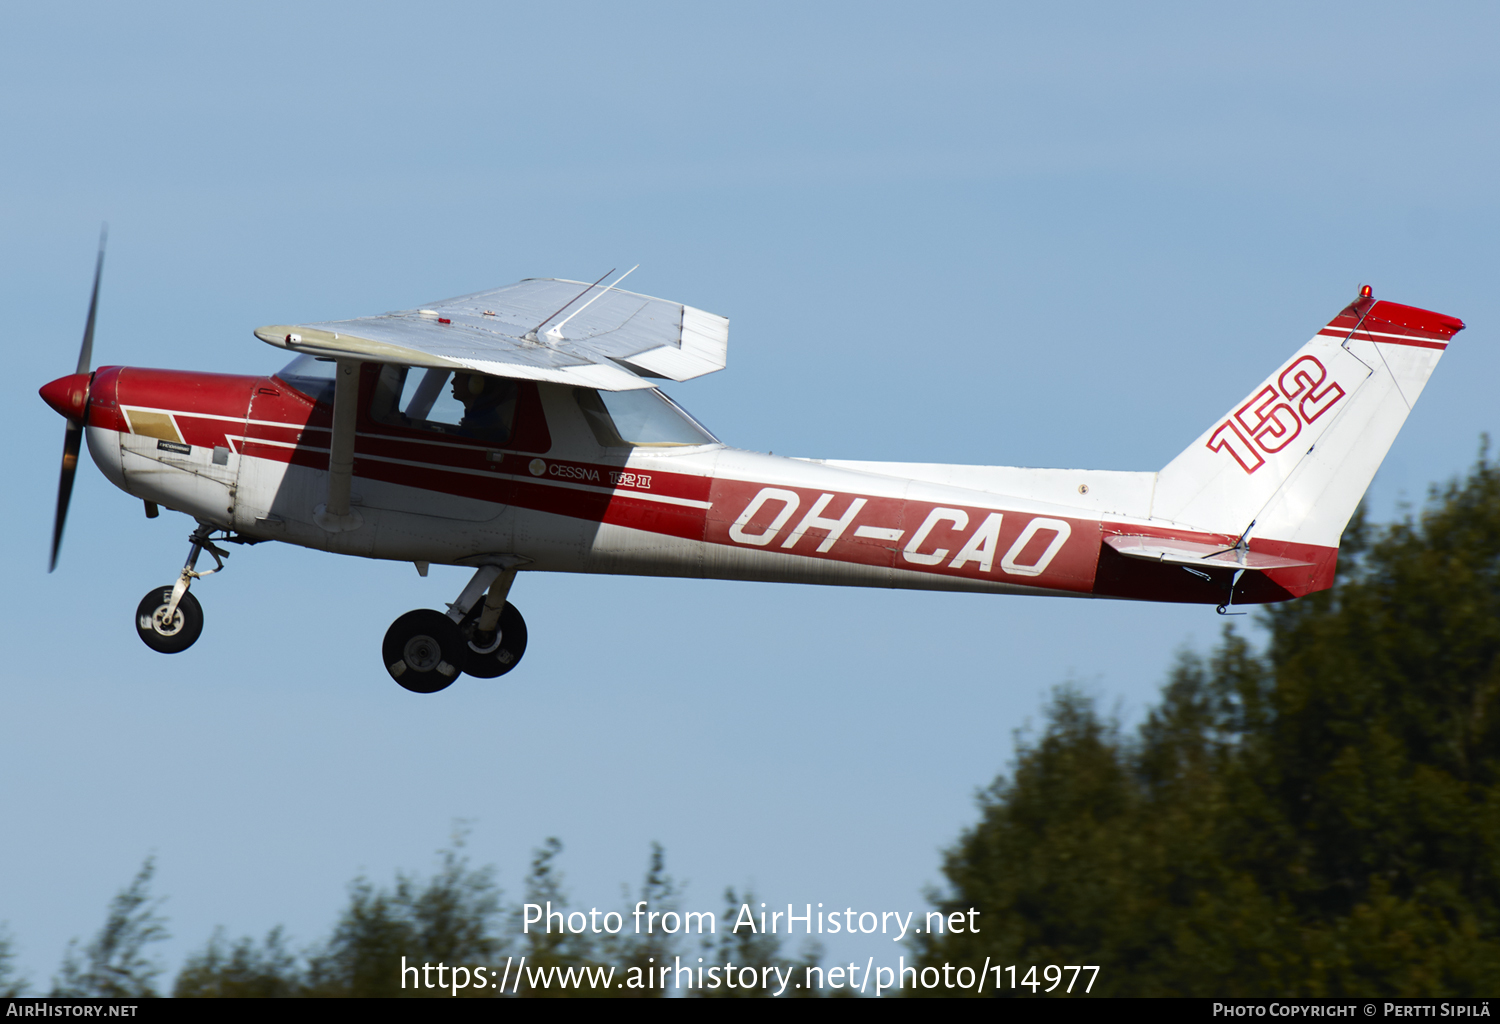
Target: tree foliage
x,y
115,964
242,970
640,951
1322,818
11,983
759,950
546,947
453,918
450,918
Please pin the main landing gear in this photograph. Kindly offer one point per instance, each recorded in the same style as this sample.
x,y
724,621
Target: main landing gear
x,y
482,634
169,619
425,650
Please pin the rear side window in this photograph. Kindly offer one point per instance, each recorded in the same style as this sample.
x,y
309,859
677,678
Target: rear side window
x,y
644,418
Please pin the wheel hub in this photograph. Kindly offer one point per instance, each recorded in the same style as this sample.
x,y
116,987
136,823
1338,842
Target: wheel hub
x,y
163,625
422,653
482,644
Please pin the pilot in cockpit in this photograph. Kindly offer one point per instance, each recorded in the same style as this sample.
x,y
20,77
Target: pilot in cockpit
x,y
489,406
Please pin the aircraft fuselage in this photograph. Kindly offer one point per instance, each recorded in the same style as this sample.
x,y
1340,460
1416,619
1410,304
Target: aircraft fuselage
x,y
251,454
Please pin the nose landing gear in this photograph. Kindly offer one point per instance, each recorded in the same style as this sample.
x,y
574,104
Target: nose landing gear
x,y
425,651
169,619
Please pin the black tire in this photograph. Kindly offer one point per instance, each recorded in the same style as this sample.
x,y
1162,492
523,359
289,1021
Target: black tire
x,y
503,653
424,651
168,637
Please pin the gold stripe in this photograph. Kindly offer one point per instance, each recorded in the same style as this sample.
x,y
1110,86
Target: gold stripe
x,y
152,424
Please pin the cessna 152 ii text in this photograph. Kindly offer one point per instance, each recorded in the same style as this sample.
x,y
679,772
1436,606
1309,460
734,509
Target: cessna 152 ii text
x,y
519,429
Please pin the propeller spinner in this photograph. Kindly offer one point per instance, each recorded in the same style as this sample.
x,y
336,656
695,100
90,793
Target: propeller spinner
x,y
70,397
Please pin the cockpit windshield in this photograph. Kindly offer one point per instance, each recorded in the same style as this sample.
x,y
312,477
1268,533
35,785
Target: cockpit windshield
x,y
645,418
311,376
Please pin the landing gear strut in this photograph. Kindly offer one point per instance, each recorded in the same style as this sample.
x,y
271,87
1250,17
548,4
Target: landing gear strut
x,y
169,619
425,650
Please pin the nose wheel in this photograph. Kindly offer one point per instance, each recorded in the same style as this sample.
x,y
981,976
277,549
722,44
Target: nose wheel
x,y
165,629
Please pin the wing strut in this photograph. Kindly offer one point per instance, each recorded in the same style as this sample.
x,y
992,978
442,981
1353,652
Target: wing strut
x,y
336,515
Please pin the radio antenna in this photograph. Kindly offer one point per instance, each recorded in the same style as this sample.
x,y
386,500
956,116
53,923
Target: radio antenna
x,y
531,334
555,333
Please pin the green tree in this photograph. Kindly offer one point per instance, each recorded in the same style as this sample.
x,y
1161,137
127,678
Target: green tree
x,y
115,964
449,919
739,946
652,946
1320,819
242,970
544,945
11,984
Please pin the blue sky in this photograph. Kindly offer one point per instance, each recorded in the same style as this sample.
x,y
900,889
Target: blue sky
x,y
963,233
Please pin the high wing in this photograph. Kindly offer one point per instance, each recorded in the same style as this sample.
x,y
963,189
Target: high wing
x,y
591,336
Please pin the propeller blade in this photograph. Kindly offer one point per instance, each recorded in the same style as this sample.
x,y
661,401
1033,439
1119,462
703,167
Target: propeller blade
x,y
73,439
71,443
86,353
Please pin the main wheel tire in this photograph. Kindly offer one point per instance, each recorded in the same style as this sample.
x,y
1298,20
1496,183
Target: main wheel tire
x,y
503,653
161,635
424,651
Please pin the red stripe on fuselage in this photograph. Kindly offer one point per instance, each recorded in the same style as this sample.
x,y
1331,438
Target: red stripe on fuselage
x,y
1058,553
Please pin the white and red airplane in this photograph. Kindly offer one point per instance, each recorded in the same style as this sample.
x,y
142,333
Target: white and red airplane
x,y
519,429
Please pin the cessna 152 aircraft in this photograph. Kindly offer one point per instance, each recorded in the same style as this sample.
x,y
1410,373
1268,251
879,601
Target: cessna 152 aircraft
x,y
519,429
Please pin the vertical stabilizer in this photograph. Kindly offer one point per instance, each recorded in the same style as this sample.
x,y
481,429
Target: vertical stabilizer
x,y
1298,453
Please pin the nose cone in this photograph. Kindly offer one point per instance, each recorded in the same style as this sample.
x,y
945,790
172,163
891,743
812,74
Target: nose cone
x,y
69,395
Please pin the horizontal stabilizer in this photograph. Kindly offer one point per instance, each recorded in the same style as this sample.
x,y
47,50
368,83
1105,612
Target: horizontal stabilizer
x,y
1186,552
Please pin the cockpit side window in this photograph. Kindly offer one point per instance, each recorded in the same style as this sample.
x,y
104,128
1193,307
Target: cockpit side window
x,y
460,404
642,418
